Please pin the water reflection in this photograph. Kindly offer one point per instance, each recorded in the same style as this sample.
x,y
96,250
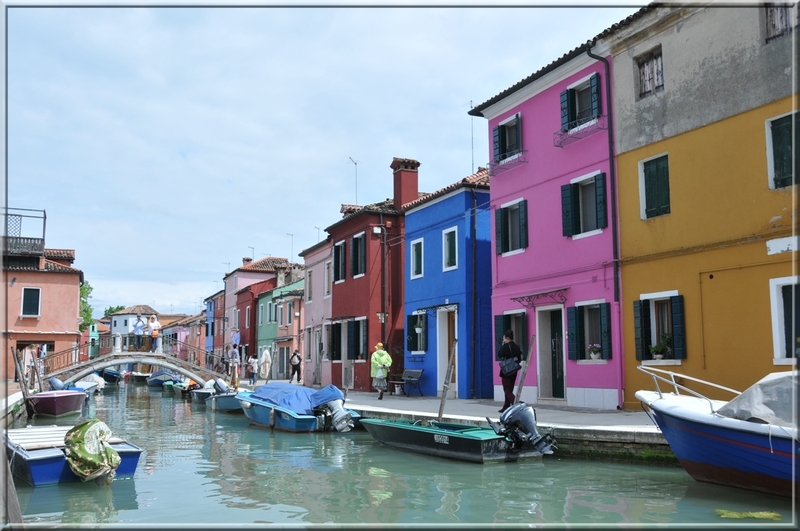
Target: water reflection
x,y
227,471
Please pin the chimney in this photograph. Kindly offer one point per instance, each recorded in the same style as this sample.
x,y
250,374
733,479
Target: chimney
x,y
406,184
246,260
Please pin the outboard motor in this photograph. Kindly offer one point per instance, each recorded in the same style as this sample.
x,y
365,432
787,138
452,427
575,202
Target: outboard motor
x,y
518,422
342,420
56,384
220,386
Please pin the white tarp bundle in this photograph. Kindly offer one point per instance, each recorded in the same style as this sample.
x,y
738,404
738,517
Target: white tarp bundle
x,y
771,400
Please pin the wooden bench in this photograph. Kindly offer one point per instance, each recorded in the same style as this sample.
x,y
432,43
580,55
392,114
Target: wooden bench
x,y
410,377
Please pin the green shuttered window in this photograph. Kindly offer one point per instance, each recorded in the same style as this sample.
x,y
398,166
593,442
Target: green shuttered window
x,y
656,187
511,227
583,206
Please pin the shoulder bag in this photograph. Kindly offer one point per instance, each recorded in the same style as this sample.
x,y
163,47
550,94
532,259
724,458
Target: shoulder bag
x,y
509,366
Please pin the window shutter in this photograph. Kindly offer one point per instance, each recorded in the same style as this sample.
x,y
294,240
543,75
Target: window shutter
x,y
411,334
564,97
523,224
418,259
353,258
523,339
499,321
567,228
594,85
498,149
30,301
501,230
365,338
362,257
678,328
790,308
663,185
352,333
782,151
600,203
605,331
650,190
572,333
641,328
422,339
451,249
518,133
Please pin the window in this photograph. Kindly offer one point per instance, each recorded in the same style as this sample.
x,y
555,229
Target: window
x,y
328,278
280,314
511,227
236,314
309,277
416,258
507,138
358,255
779,151
247,317
338,262
269,312
655,316
260,314
580,104
785,319
651,74
357,339
583,205
289,313
449,249
589,323
654,184
417,332
780,19
31,302
517,322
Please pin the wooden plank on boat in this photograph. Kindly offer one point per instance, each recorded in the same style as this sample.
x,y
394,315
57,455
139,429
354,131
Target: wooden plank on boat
x,y
44,437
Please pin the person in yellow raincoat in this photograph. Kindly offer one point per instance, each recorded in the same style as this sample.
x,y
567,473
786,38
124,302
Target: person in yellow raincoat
x,y
380,363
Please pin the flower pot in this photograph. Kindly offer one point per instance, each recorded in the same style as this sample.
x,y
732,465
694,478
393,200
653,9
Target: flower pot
x,y
594,355
658,356
398,389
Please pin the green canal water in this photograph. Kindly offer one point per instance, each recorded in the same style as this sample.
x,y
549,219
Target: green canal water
x,y
202,468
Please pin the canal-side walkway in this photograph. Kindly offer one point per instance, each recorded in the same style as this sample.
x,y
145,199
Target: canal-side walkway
x,y
624,434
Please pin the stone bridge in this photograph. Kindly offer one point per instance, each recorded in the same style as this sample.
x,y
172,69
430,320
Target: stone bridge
x,y
77,371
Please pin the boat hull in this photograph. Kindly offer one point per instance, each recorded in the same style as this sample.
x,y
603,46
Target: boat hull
x,y
453,441
224,402
158,379
278,418
201,395
111,376
41,462
726,451
57,403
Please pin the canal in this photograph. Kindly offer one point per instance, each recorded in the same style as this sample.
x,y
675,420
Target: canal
x,y
205,468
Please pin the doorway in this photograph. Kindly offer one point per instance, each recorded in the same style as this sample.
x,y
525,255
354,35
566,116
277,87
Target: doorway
x,y
446,335
550,325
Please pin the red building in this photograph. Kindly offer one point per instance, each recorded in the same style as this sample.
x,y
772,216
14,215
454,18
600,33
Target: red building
x,y
367,292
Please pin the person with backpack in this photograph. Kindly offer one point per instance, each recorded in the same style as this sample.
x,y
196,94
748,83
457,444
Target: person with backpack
x,y
294,361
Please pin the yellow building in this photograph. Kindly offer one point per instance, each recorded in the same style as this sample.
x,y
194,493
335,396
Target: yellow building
x,y
706,196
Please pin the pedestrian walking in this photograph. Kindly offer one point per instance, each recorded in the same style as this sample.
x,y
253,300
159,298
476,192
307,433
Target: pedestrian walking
x,y
379,369
509,349
234,361
294,361
138,332
252,369
265,370
153,330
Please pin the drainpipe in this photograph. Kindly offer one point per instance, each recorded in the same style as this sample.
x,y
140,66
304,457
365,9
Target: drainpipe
x,y
612,181
383,281
473,235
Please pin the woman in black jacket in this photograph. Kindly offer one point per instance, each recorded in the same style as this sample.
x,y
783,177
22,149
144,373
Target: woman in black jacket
x,y
509,350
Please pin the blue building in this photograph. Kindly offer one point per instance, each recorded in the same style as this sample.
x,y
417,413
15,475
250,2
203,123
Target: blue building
x,y
448,288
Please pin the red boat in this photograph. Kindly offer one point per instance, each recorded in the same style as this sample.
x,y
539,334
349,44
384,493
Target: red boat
x,y
56,403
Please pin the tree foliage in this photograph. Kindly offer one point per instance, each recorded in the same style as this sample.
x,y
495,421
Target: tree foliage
x,y
86,308
112,309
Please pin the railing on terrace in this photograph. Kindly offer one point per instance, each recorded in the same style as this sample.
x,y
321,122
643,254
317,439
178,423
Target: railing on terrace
x,y
18,222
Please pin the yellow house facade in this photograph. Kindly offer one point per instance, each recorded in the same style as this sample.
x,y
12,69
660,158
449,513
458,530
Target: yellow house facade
x,y
706,196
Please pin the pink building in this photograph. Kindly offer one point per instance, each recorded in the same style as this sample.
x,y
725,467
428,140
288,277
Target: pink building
x,y
554,272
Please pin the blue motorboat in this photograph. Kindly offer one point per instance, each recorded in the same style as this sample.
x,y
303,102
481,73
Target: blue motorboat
x,y
111,375
158,378
224,398
287,407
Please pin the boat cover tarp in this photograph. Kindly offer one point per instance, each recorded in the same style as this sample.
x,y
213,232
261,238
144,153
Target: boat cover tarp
x,y
770,400
301,400
88,451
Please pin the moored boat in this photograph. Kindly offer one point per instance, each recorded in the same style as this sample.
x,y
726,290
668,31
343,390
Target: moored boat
x,y
56,403
48,455
158,378
201,394
93,383
224,398
111,375
514,438
139,377
183,388
749,442
287,407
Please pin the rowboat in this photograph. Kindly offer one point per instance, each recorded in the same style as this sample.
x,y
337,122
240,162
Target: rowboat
x,y
42,455
287,407
56,403
514,438
749,442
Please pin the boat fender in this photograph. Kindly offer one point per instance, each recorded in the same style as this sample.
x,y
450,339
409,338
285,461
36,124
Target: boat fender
x,y
246,404
272,415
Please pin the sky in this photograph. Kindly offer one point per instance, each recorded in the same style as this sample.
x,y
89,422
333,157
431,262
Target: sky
x,y
166,144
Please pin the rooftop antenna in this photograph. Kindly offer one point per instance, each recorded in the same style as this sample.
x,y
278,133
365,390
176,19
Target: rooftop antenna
x,y
356,165
317,232
254,251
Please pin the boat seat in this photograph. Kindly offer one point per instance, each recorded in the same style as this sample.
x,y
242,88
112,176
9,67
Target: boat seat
x,y
410,377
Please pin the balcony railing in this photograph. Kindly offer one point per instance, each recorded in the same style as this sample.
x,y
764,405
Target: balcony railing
x,y
21,245
578,129
513,161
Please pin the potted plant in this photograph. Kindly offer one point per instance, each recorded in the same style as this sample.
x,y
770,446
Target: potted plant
x,y
594,351
662,348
